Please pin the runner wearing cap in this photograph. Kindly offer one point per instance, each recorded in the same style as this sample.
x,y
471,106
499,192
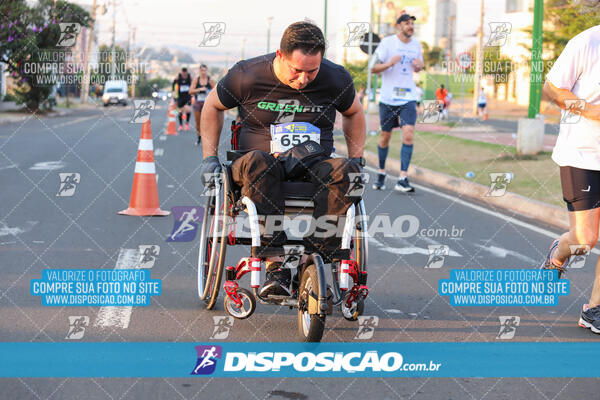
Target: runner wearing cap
x,y
574,81
397,57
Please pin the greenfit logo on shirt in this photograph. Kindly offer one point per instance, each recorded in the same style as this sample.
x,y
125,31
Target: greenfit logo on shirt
x,y
277,107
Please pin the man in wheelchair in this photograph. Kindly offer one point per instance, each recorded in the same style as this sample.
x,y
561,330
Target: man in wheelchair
x,y
287,102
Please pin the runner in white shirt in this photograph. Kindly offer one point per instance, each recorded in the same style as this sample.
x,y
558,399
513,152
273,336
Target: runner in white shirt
x,y
481,104
573,84
396,58
419,95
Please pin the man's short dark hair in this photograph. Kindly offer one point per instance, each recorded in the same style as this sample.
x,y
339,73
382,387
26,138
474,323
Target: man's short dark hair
x,y
203,66
184,69
304,36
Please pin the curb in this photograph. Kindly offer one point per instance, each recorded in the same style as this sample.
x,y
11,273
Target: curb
x,y
518,205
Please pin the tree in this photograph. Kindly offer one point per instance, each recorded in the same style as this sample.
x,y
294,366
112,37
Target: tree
x,y
145,85
103,71
358,71
566,20
28,36
433,56
495,65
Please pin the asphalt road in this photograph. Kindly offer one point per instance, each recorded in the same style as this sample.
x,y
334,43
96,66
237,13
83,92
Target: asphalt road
x,y
40,230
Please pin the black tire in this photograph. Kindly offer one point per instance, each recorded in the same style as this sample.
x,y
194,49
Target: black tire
x,y
211,268
310,326
247,300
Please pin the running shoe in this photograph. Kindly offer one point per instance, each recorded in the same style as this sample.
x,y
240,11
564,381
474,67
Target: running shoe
x,y
187,127
549,264
277,283
380,183
198,141
403,186
590,318
180,128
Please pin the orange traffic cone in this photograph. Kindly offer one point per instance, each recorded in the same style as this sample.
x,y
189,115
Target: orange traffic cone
x,y
144,191
171,126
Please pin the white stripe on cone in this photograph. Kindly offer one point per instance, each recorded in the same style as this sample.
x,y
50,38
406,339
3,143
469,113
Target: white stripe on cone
x,y
144,168
145,144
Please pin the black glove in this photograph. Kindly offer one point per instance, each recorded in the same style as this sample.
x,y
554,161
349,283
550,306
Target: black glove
x,y
210,166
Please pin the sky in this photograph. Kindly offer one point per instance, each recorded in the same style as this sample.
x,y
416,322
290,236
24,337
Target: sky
x,y
178,23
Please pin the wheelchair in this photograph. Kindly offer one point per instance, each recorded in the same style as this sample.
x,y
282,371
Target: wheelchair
x,y
311,294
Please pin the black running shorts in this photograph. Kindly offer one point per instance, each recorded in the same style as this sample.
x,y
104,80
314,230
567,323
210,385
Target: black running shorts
x,y
581,188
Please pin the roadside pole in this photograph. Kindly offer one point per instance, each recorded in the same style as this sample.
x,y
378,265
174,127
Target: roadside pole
x,y
85,85
530,133
478,59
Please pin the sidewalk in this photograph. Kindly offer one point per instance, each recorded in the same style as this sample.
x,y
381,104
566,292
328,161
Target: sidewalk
x,y
496,131
10,112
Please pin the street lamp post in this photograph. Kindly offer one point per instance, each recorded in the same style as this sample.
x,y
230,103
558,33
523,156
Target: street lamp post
x,y
269,21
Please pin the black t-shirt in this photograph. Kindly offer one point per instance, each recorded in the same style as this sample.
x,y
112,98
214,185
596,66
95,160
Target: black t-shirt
x,y
183,89
251,85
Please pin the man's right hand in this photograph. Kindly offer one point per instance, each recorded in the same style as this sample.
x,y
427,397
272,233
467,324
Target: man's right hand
x,y
210,166
395,59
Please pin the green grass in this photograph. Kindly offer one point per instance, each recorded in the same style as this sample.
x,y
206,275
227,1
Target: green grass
x,y
536,177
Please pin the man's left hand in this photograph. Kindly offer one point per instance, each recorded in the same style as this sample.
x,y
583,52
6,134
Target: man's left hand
x,y
417,64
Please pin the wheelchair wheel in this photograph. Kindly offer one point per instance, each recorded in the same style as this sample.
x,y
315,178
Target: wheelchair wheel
x,y
310,326
213,243
359,254
247,308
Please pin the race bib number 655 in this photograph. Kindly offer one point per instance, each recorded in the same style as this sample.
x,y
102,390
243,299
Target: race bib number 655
x,y
290,134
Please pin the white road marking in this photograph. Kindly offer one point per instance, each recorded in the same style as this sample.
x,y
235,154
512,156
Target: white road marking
x,y
407,250
502,253
162,138
496,214
6,230
47,165
74,121
393,311
159,152
9,166
119,317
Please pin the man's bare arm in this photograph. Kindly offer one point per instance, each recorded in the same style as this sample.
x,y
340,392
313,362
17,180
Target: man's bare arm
x,y
353,125
211,124
380,67
558,97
